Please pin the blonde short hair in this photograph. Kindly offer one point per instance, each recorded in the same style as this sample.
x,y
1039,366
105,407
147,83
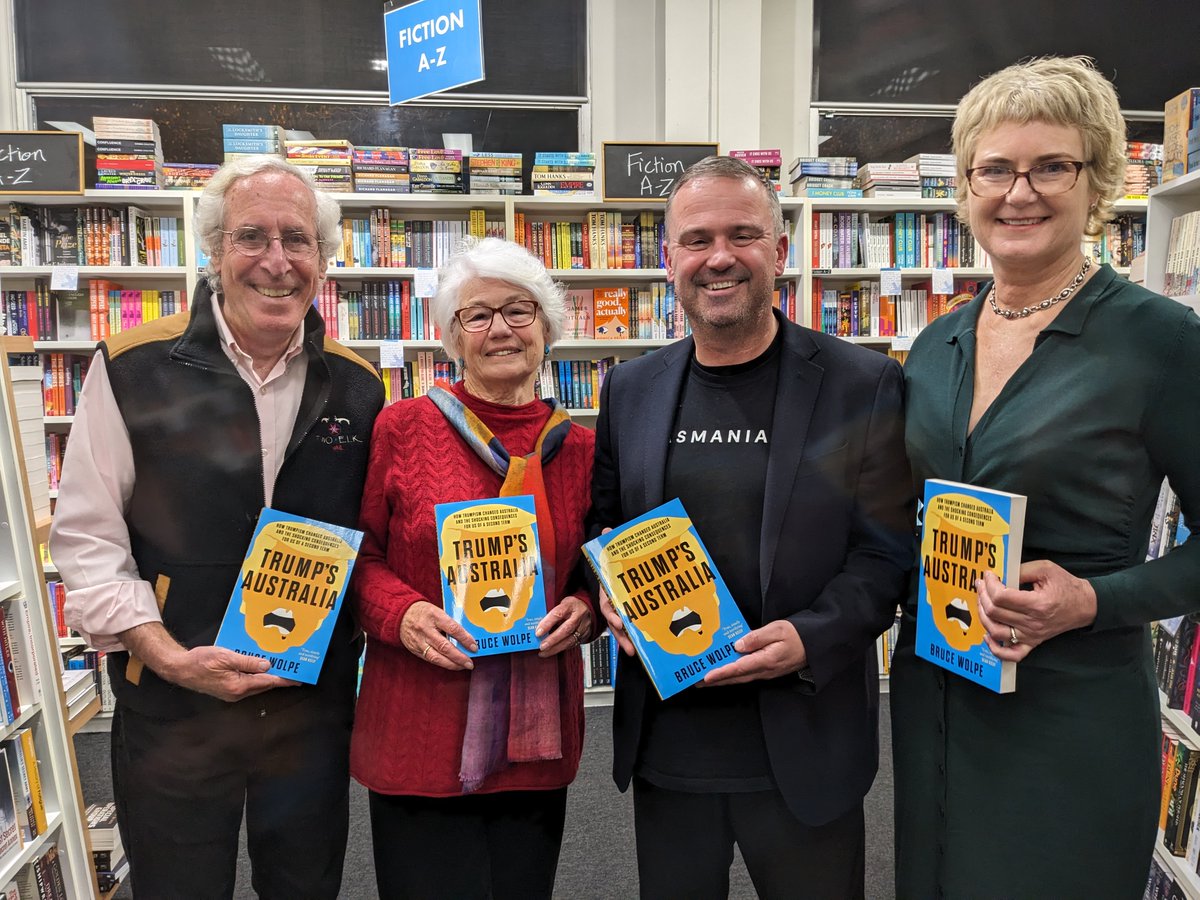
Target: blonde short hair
x,y
1067,91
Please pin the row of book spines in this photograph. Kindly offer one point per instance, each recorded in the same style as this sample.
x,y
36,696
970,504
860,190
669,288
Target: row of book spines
x,y
575,383
88,236
1182,275
384,241
21,781
905,239
113,309
414,379
1177,809
62,382
1120,241
600,662
886,648
96,662
21,684
41,878
601,241
861,310
56,449
382,311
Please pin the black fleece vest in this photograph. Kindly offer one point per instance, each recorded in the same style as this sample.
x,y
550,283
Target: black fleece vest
x,y
199,481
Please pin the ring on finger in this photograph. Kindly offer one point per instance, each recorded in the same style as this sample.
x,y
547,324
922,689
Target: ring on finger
x,y
425,655
1012,634
578,639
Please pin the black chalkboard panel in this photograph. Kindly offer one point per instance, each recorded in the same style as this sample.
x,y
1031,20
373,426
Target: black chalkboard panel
x,y
41,162
647,171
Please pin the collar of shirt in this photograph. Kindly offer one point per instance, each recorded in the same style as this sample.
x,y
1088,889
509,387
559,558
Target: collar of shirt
x,y
242,360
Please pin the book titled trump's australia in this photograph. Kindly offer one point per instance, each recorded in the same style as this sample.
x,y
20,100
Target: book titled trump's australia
x,y
288,595
676,607
491,571
966,531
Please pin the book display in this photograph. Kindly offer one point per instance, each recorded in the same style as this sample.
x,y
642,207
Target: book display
x,y
42,838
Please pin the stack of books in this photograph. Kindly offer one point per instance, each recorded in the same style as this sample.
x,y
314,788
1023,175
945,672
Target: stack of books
x,y
251,140
108,853
27,383
128,153
494,173
434,171
329,162
937,172
184,176
823,176
564,174
380,170
900,179
768,162
1143,167
79,689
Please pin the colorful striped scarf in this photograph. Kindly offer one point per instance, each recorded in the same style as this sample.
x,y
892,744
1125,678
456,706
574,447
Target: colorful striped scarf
x,y
513,710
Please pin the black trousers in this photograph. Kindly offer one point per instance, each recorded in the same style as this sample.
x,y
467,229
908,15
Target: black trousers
x,y
182,785
501,846
685,847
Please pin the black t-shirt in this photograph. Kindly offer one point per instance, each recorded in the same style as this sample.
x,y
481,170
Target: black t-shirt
x,y
710,739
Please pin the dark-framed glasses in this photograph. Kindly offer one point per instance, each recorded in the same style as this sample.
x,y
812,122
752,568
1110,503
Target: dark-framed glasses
x,y
1047,179
251,241
517,314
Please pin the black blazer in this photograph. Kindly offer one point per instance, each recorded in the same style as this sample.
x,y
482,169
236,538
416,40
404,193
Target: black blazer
x,y
836,550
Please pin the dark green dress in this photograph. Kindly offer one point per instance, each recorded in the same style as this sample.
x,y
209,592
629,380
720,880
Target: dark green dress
x,y
1052,791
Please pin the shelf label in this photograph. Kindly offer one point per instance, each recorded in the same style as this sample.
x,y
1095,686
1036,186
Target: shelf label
x,y
391,354
432,46
943,281
902,343
425,283
889,282
64,278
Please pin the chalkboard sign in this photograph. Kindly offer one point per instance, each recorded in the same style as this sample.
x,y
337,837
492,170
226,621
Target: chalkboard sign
x,y
41,162
648,171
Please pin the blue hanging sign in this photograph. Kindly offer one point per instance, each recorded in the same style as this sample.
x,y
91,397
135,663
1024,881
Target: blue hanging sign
x,y
432,45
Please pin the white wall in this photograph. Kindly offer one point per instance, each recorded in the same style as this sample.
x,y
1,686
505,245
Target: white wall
x,y
738,72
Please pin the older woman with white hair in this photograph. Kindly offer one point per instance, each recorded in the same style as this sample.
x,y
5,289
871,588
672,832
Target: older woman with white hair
x,y
468,760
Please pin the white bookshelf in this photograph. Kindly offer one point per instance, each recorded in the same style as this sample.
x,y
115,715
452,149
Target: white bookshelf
x,y
22,577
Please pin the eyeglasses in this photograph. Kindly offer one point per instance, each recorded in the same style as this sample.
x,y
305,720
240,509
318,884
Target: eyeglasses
x,y
251,241
517,314
1047,179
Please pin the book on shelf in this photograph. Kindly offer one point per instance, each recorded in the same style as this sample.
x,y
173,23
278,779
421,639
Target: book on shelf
x,y
676,607
491,571
289,593
33,773
610,313
10,822
22,791
966,530
18,628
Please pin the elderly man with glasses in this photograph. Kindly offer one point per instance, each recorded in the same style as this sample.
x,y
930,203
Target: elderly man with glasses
x,y
186,428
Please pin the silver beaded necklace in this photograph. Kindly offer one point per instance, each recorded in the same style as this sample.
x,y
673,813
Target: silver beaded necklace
x,y
1045,304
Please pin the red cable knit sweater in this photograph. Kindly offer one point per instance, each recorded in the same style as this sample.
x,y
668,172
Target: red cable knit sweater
x,y
408,728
